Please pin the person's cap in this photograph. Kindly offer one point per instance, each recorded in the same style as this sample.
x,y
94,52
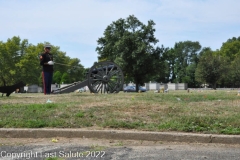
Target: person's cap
x,y
47,46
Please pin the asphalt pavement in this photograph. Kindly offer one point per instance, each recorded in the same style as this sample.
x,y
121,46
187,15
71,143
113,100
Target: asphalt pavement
x,y
71,144
107,149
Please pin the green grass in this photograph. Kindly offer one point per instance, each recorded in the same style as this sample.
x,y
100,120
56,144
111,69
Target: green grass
x,y
203,112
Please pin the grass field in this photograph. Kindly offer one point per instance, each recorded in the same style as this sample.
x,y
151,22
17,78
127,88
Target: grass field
x,y
204,112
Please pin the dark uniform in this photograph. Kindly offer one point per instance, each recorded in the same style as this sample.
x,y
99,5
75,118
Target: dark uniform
x,y
47,70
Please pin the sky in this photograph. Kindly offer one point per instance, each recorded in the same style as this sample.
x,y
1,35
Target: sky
x,y
76,25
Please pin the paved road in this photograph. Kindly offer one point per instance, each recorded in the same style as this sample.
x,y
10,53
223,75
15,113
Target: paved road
x,y
91,149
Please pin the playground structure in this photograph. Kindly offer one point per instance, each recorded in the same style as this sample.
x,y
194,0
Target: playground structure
x,y
103,77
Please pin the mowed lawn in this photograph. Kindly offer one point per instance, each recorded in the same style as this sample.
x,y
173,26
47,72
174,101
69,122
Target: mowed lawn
x,y
203,112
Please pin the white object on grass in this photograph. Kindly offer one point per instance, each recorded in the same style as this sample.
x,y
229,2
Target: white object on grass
x,y
48,101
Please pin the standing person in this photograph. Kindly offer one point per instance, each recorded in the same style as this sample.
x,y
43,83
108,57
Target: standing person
x,y
46,61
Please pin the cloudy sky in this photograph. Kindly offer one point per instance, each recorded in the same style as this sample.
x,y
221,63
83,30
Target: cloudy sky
x,y
75,25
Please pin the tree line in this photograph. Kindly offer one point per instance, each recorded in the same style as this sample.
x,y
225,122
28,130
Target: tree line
x,y
19,61
133,46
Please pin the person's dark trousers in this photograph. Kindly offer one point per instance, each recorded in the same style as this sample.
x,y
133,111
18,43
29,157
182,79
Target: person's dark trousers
x,y
47,82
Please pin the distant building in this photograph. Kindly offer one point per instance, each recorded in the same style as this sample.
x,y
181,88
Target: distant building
x,y
169,86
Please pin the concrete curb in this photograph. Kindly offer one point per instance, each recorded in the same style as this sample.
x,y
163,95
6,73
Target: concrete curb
x,y
119,135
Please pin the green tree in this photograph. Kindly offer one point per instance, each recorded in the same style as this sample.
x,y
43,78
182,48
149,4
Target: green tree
x,y
186,59
233,76
65,78
211,68
75,70
163,73
29,65
130,43
190,75
170,60
57,76
19,61
10,55
231,48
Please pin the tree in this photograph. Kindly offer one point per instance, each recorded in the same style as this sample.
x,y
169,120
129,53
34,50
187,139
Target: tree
x,y
165,64
170,59
28,65
231,48
131,43
211,68
190,75
57,77
65,78
233,76
186,59
19,61
10,55
75,70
